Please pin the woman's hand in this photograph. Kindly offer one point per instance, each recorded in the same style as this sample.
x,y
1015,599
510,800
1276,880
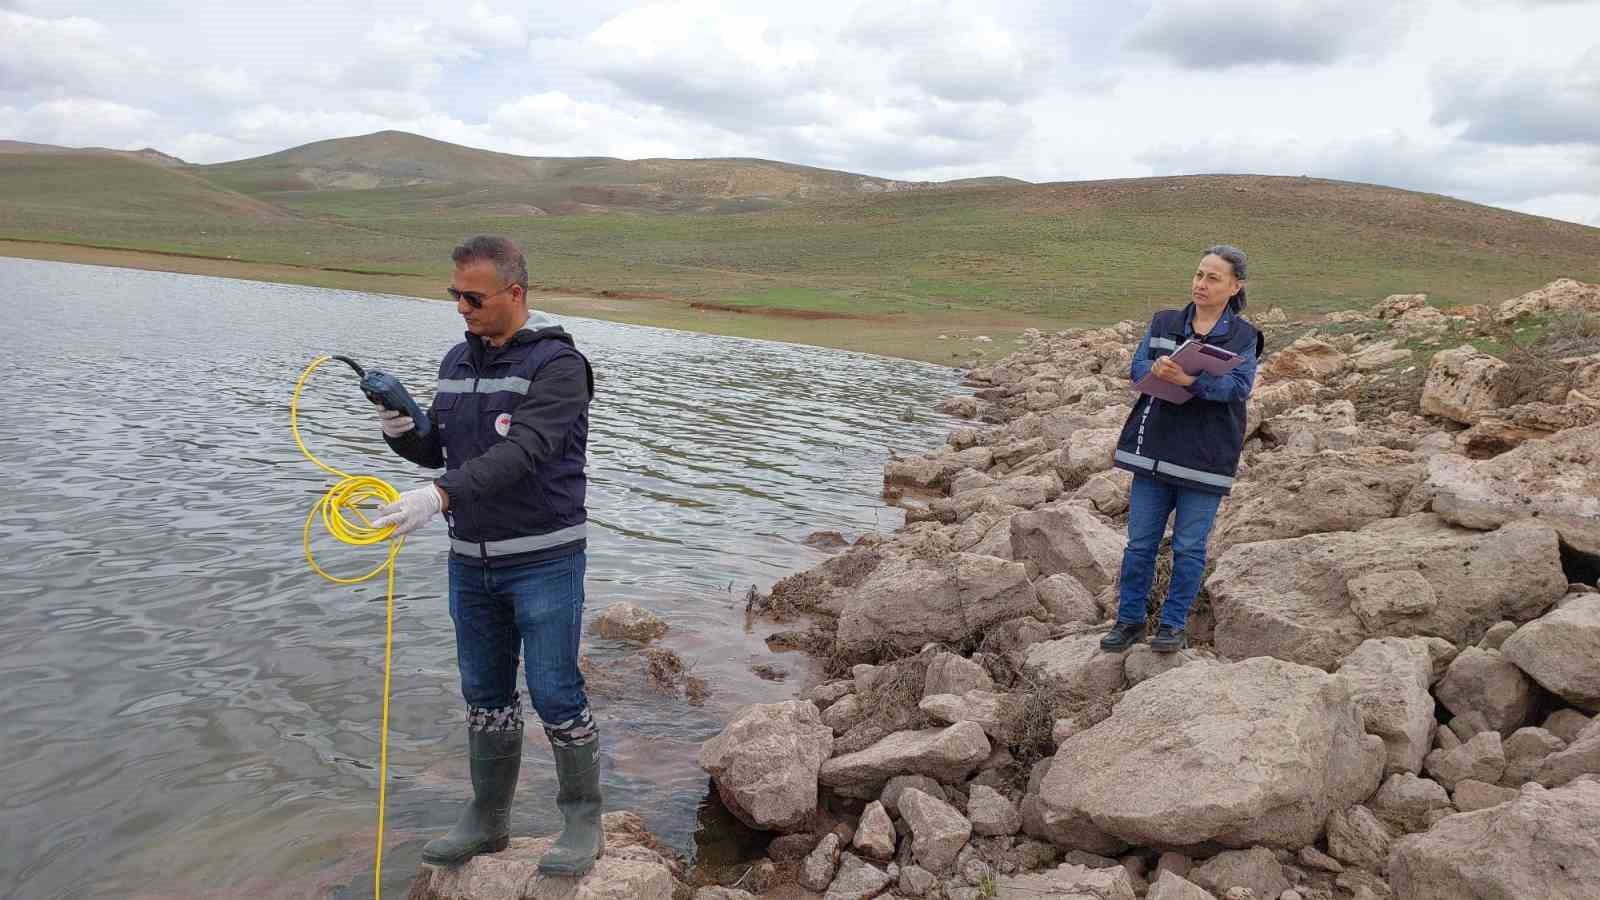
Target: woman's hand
x,y
1170,372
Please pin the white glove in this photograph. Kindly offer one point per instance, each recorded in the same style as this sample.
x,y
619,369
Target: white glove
x,y
411,510
393,422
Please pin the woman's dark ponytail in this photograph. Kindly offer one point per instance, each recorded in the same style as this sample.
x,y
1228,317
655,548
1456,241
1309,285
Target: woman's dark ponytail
x,y
1235,258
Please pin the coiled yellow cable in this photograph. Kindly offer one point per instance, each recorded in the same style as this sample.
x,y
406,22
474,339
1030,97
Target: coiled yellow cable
x,y
341,512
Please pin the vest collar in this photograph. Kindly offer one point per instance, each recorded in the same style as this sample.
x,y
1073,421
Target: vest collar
x,y
1217,331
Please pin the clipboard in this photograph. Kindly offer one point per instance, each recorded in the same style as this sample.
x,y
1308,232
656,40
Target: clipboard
x,y
1194,357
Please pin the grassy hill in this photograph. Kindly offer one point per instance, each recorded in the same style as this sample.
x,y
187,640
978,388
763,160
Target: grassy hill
x,y
814,256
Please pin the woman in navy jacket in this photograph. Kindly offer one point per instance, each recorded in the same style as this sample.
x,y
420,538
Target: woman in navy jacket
x,y
1183,455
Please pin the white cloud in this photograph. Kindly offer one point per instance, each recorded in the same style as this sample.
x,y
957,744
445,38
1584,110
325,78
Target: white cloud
x,y
1544,103
1222,34
77,121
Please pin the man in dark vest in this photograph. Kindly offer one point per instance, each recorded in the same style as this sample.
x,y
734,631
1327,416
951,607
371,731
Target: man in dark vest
x,y
511,425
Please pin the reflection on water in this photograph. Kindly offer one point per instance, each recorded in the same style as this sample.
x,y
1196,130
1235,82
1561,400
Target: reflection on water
x,y
189,712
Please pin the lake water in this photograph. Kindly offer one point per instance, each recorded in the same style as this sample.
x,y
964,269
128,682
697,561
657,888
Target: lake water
x,y
188,711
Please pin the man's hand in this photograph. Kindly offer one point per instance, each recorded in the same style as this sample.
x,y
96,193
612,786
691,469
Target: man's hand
x,y
411,510
393,422
1170,372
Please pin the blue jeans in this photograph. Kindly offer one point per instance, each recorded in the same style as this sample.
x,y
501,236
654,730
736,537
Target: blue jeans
x,y
535,611
1150,503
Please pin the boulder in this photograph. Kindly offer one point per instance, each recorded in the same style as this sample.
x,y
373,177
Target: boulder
x,y
1277,747
1087,452
1107,491
1561,651
1541,844
950,673
1481,759
1357,838
1141,663
997,714
844,714
900,783
1313,427
934,472
1305,358
1464,384
632,869
938,831
629,622
1389,681
947,755
1407,803
1472,796
1567,724
1075,666
875,836
1068,882
1294,599
915,881
1067,601
1556,480
991,813
1065,538
723,893
1581,758
765,764
820,865
1561,295
1286,496
1170,886
1256,868
1484,682
910,602
857,880
1526,750
1269,400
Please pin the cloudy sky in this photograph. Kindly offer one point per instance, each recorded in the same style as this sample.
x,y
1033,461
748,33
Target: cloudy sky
x,y
1496,101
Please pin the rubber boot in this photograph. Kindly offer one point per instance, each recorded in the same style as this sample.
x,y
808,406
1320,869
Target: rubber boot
x,y
582,841
485,824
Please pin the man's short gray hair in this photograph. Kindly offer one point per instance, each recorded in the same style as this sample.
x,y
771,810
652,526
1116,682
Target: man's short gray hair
x,y
506,256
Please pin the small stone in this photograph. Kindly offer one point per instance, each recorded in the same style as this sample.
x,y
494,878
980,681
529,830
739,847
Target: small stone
x,y
821,865
791,847
1482,759
1357,838
1566,724
844,714
938,831
915,881
1525,752
875,836
629,622
1472,796
991,813
1312,858
1497,634
1176,863
1256,869
825,695
1171,886
898,785
1409,804
857,880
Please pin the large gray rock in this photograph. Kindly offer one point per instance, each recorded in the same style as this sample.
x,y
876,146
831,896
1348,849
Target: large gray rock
x,y
629,622
1356,837
1267,750
997,714
1483,682
1579,759
875,836
820,865
946,755
1389,679
1540,845
1561,650
1556,479
1067,882
1296,599
631,869
1481,759
765,764
1068,601
1070,539
1526,750
894,787
1257,869
949,673
857,880
1465,384
1287,495
910,602
1075,666
938,831
1407,803
1175,887
991,813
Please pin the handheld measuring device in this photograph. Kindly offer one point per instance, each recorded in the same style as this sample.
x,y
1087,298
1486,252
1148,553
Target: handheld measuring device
x,y
387,391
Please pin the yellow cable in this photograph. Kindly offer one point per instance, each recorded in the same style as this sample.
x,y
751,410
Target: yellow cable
x,y
341,511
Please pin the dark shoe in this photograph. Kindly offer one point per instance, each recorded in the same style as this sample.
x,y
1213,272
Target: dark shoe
x,y
485,825
1123,636
582,841
1169,640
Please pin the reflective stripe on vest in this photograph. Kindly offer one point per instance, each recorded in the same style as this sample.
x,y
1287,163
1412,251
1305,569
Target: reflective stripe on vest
x,y
1162,467
529,544
484,385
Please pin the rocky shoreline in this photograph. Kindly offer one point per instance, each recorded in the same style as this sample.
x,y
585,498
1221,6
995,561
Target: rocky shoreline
x,y
1395,674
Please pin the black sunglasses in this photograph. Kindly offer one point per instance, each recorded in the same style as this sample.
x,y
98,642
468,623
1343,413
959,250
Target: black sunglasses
x,y
475,299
